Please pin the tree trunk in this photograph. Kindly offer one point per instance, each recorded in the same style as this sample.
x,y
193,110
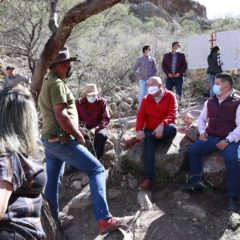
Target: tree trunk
x,y
77,14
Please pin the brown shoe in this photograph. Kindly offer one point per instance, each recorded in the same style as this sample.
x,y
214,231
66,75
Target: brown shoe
x,y
110,224
146,185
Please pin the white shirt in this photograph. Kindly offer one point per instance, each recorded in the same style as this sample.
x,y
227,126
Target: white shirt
x,y
233,136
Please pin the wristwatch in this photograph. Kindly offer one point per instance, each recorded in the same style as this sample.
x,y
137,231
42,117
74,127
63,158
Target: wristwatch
x,y
226,140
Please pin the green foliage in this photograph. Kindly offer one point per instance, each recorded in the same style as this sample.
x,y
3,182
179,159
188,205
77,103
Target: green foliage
x,y
225,24
191,27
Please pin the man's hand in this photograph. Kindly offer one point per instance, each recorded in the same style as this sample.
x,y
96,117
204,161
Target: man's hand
x,y
159,131
203,137
222,145
176,75
170,75
140,135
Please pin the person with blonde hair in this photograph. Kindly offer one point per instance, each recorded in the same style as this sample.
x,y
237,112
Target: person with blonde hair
x,y
22,178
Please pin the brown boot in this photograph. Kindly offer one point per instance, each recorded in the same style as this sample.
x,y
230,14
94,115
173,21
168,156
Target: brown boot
x,y
146,185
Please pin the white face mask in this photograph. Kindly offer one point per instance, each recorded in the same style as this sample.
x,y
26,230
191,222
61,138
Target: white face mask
x,y
153,90
178,50
217,89
92,98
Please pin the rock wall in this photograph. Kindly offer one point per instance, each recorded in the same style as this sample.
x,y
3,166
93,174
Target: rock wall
x,y
177,7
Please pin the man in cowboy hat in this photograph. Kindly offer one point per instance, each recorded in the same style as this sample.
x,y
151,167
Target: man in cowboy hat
x,y
93,114
11,79
64,142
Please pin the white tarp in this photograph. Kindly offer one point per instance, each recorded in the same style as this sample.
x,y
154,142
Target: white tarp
x,y
198,48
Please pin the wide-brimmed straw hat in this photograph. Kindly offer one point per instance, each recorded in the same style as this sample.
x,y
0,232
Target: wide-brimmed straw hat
x,y
90,89
64,55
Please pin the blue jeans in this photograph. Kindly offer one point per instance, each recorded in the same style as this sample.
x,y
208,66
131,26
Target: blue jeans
x,y
142,90
200,148
150,143
177,83
211,79
78,156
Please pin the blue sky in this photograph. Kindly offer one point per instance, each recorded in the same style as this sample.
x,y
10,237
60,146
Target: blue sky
x,y
221,8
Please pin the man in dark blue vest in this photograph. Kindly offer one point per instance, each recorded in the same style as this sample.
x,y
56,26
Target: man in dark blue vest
x,y
219,129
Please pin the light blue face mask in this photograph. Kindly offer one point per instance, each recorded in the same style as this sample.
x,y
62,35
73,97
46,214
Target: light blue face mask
x,y
216,89
92,98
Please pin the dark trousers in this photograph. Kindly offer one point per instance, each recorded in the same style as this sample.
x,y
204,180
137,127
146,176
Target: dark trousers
x,y
150,143
99,142
177,83
200,148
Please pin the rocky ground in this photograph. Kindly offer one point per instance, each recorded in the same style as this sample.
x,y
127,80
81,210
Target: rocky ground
x,y
173,216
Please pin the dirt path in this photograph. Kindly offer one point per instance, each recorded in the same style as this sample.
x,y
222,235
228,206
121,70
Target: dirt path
x,y
175,216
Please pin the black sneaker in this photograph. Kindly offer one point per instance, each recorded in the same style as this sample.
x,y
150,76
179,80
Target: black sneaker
x,y
192,187
233,204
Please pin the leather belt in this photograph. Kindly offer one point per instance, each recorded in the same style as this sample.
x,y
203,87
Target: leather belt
x,y
53,139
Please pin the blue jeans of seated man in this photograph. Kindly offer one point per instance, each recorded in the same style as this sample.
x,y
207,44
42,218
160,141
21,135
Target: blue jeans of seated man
x,y
200,148
177,83
150,142
78,156
142,90
211,79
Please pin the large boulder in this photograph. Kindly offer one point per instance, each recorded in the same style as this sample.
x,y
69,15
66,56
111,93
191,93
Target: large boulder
x,y
168,157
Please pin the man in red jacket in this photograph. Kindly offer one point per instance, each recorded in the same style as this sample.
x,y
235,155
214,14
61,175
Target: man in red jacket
x,y
174,66
155,123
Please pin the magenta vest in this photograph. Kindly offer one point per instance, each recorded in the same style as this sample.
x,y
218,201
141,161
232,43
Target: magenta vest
x,y
221,118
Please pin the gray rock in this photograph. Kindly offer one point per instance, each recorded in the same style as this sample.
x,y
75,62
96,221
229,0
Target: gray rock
x,y
77,184
113,193
129,100
82,200
123,106
168,157
116,99
234,221
108,146
144,200
192,133
85,180
109,158
195,210
113,107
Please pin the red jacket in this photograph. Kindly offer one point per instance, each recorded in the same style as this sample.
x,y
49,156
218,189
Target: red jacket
x,y
151,114
181,63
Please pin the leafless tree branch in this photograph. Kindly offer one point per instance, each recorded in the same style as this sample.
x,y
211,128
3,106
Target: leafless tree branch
x,y
77,14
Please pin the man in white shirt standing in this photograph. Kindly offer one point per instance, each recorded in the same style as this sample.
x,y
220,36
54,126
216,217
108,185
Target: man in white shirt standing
x,y
219,129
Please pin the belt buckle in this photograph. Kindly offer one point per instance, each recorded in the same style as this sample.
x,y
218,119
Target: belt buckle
x,y
52,140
